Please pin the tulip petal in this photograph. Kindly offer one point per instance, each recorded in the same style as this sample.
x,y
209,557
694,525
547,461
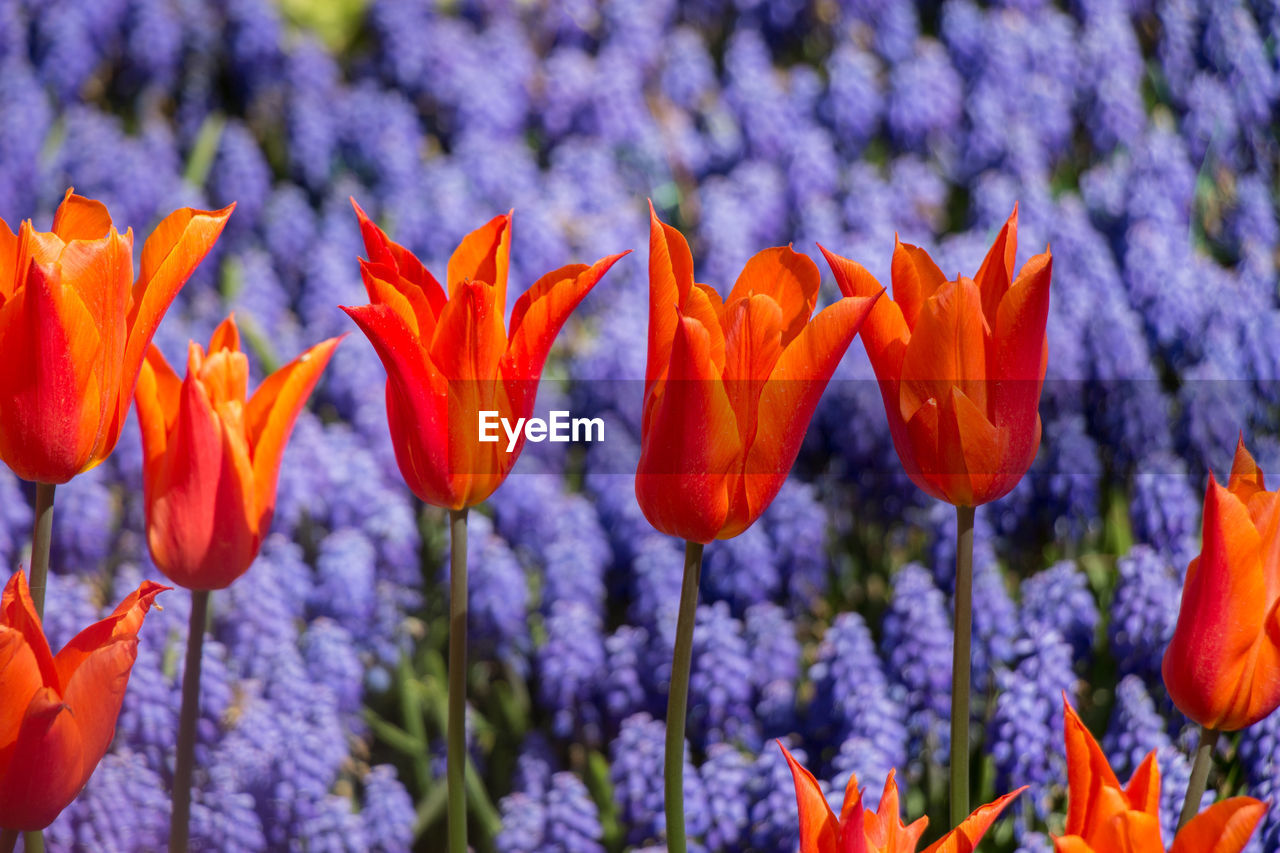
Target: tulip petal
x,y
80,218
1019,350
169,257
201,520
996,272
915,278
789,277
1071,844
787,401
1143,790
269,418
537,318
819,831
965,837
1088,773
380,282
48,424
411,277
691,443
971,453
885,333
753,332
483,256
670,279
94,693
1211,664
417,404
1129,832
947,349
158,394
1224,827
43,770
1246,478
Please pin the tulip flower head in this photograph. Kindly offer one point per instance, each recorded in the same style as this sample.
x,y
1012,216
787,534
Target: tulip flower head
x,y
58,713
731,384
1222,666
75,326
960,365
211,458
1103,817
449,355
859,830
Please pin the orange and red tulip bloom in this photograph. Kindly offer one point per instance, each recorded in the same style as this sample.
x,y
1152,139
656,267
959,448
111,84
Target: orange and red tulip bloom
x,y
960,365
75,326
859,830
58,713
211,457
1222,667
1103,817
449,355
731,384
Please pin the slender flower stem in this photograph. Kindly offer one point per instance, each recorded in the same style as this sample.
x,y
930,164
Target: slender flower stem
x,y
457,724
678,698
960,666
183,764
33,841
8,840
41,536
1199,774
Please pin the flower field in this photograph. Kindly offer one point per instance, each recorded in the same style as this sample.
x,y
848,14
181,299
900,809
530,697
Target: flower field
x,y
1139,141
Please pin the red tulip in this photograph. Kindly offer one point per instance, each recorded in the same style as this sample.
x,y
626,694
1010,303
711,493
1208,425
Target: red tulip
x,y
731,384
75,326
859,830
1103,817
212,458
1222,667
960,365
449,358
58,714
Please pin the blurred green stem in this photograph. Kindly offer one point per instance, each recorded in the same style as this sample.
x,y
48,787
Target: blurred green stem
x,y
963,628
41,536
33,841
678,698
457,725
184,761
1199,774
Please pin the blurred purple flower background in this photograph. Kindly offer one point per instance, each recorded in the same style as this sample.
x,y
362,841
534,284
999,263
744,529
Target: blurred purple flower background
x,y
1140,140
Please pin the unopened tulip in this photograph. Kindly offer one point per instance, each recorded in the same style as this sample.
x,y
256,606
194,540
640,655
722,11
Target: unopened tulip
x,y
960,365
859,830
450,356
75,326
58,713
731,384
211,457
1104,817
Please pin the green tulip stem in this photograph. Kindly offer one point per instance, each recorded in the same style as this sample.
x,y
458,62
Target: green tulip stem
x,y
1199,775
960,674
184,761
678,698
457,723
33,841
41,536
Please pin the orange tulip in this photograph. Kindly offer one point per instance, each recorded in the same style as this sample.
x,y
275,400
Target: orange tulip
x,y
450,358
1222,667
58,714
731,384
960,365
859,830
1103,817
211,459
75,326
